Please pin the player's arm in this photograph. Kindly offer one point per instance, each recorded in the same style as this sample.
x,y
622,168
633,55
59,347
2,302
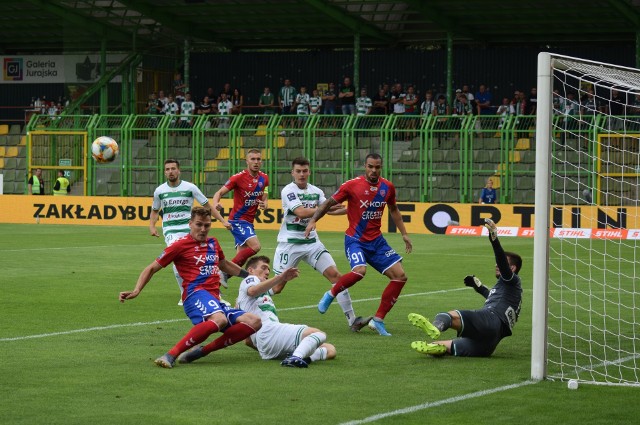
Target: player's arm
x,y
473,282
320,212
501,258
143,279
153,219
337,209
262,287
396,216
216,207
232,269
263,202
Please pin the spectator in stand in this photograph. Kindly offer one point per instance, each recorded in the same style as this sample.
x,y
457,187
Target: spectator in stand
x,y
187,108
461,106
411,102
505,110
519,103
397,99
53,110
470,97
441,111
171,108
557,102
162,99
532,102
267,102
428,107
617,110
154,108
224,109
380,103
205,108
226,89
302,106
315,103
287,97
483,101
329,100
363,103
36,183
179,88
590,104
237,100
347,97
488,194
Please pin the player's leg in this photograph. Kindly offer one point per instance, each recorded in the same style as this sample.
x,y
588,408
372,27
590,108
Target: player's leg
x,y
385,260
307,342
321,260
205,324
436,348
240,325
355,254
247,243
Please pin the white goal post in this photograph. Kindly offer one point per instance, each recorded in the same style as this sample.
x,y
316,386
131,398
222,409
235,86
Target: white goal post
x,y
586,265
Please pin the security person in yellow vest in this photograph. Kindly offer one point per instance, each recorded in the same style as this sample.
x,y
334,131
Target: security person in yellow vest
x,y
36,183
62,186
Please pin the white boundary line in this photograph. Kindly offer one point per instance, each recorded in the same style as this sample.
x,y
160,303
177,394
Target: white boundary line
x,y
159,322
438,403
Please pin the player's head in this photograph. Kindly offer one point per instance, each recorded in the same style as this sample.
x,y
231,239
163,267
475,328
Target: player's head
x,y
515,261
259,266
300,171
489,183
254,160
373,167
200,223
172,170
38,172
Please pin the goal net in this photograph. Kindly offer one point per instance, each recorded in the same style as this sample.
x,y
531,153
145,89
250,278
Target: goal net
x,y
586,296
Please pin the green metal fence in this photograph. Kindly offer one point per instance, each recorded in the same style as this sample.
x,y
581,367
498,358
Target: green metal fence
x,y
430,159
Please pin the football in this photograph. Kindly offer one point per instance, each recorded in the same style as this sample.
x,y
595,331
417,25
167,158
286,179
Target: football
x,y
104,149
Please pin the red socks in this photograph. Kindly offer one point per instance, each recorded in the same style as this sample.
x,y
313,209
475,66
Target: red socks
x,y
232,335
243,255
195,336
345,282
389,297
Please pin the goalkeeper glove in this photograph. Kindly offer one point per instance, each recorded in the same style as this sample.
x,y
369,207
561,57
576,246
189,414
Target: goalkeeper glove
x,y
472,281
491,226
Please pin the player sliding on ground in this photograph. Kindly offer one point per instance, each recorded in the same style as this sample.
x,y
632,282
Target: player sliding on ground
x,y
299,345
479,331
199,259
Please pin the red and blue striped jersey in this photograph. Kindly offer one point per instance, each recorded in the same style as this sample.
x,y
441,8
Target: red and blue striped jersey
x,y
196,262
366,202
247,191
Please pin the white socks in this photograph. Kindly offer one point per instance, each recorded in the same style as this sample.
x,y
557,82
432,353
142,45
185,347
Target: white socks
x,y
310,344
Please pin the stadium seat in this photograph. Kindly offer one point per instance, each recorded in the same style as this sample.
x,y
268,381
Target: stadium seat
x,y
19,186
4,129
15,129
523,144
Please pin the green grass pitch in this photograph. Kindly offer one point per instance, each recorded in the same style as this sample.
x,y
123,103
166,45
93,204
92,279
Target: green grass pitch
x,y
72,354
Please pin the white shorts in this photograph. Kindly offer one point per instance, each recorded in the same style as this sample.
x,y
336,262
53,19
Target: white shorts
x,y
289,255
277,340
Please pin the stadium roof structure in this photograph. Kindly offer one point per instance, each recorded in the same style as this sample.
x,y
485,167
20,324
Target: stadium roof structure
x,y
56,26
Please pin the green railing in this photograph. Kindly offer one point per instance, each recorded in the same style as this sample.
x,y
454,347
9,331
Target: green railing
x,y
430,159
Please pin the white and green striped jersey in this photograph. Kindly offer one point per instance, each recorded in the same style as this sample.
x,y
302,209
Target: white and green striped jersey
x,y
314,105
262,305
224,107
292,228
302,104
363,105
176,203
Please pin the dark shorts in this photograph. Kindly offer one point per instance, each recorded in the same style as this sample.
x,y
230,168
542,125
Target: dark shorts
x,y
480,334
